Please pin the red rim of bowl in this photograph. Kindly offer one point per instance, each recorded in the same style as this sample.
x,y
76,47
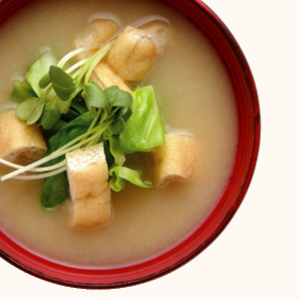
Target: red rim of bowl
x,y
246,157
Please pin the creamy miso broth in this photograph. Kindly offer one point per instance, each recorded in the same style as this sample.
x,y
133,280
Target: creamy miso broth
x,y
195,95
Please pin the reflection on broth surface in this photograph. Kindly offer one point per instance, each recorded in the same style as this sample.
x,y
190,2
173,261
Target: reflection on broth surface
x,y
195,95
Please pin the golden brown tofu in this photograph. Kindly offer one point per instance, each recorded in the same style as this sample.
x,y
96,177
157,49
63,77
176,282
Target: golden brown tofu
x,y
99,32
90,193
92,211
107,77
133,54
176,160
19,142
159,30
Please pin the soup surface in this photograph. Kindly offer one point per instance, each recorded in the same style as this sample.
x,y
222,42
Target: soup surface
x,y
195,95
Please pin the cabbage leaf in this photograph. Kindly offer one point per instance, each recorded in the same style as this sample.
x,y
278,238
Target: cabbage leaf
x,y
144,129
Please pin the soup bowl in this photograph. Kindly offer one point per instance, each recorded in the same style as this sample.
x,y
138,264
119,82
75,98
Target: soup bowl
x,y
242,172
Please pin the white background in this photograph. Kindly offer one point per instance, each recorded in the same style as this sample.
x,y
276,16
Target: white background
x,y
257,256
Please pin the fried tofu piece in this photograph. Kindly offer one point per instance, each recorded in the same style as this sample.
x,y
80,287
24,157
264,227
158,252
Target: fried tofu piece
x,y
19,142
99,32
159,31
176,160
87,173
92,211
133,54
107,77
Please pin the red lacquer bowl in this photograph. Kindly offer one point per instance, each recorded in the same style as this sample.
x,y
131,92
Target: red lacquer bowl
x,y
246,157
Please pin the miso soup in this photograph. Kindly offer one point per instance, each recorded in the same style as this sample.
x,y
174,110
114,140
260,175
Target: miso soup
x,y
195,95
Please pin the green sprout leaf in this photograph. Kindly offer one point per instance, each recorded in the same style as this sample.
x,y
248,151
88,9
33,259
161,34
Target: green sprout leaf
x,y
55,190
39,69
50,116
21,91
63,84
45,81
94,97
117,126
117,97
30,110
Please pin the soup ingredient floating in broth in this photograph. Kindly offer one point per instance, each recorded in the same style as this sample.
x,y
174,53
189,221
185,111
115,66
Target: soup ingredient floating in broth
x,y
19,142
83,108
88,175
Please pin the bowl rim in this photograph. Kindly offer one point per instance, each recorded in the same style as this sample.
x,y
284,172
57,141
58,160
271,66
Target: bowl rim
x,y
248,148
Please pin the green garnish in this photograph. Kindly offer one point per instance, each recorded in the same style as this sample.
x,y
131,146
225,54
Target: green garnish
x,y
75,112
144,130
54,85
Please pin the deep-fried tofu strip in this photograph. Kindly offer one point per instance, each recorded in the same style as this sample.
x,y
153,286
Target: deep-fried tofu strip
x,y
19,142
90,193
133,54
92,211
159,31
99,31
108,77
175,160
